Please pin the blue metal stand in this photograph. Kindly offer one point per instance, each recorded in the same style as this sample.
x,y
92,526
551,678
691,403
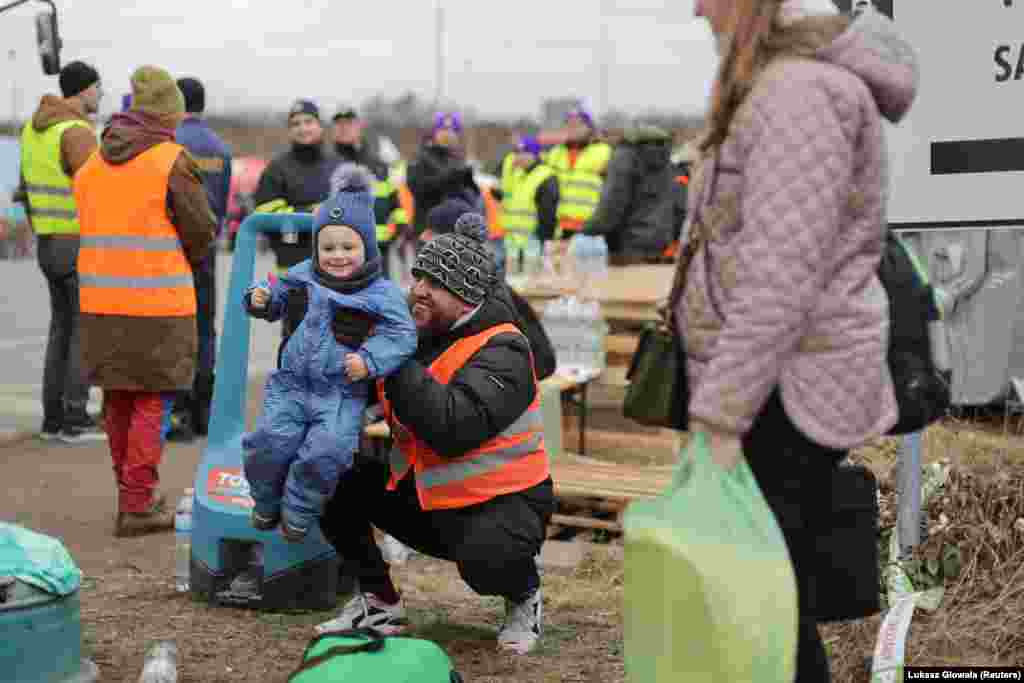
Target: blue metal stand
x,y
294,576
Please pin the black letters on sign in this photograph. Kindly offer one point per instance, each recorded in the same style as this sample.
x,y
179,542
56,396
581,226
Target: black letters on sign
x,y
1009,62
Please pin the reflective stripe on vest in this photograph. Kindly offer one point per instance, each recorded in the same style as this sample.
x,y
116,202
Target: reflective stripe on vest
x,y
51,203
131,261
511,461
519,207
579,185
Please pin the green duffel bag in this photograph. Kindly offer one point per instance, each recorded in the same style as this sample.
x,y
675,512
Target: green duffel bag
x,y
363,655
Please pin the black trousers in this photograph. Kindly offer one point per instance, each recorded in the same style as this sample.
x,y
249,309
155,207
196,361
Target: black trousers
x,y
794,473
493,543
65,390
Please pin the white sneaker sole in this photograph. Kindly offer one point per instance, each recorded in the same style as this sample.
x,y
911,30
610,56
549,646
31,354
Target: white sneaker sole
x,y
392,629
93,437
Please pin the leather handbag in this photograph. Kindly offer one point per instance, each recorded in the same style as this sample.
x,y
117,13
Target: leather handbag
x,y
658,395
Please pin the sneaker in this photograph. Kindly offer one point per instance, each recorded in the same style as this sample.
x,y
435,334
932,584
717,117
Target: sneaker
x,y
181,429
264,522
366,610
522,628
159,517
246,584
50,432
82,433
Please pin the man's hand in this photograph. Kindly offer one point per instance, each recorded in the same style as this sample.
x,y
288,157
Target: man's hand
x,y
259,297
726,448
355,367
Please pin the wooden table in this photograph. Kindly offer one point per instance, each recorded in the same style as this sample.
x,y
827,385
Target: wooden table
x,y
630,294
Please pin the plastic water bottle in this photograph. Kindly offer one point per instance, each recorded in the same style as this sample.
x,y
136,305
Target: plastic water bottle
x,y
183,541
161,664
532,259
600,266
553,324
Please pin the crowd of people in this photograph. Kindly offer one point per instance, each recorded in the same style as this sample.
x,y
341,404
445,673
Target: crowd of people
x,y
776,298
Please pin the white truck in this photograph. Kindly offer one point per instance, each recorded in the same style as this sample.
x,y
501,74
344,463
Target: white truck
x,y
957,181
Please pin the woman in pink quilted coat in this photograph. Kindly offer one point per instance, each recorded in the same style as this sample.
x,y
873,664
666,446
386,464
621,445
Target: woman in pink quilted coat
x,y
784,318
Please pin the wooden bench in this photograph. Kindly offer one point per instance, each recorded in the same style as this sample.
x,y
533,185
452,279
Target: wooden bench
x,y
599,486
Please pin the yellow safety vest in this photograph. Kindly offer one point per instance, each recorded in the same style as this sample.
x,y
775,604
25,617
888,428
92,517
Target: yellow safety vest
x,y
387,231
51,205
579,186
519,206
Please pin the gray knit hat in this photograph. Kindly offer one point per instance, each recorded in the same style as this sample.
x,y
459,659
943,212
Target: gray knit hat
x,y
460,261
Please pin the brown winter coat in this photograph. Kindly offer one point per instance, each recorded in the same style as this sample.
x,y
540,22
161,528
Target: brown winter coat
x,y
139,353
785,295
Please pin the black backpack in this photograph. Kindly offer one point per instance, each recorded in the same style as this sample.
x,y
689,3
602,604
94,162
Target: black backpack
x,y
922,391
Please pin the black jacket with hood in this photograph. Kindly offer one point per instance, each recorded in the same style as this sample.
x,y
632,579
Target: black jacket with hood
x,y
642,208
483,398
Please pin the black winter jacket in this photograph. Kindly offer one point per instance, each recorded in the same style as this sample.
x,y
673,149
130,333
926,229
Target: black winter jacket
x,y
641,208
436,175
484,397
301,178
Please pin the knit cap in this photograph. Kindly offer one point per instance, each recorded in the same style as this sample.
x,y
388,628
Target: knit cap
x,y
154,91
460,261
442,218
76,77
351,204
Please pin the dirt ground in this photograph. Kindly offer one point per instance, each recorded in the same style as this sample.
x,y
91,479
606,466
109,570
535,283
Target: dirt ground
x,y
128,600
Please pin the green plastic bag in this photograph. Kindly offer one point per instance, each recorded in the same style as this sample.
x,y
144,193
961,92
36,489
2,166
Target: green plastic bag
x,y
710,593
364,655
38,560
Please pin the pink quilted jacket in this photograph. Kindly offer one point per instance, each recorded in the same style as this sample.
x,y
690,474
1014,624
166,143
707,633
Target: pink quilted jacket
x,y
785,292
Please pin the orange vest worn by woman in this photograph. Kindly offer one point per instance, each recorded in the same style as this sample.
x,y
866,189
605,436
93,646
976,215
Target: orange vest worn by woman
x,y
131,261
513,461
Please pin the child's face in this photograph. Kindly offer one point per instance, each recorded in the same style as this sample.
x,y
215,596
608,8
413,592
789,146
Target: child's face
x,y
340,251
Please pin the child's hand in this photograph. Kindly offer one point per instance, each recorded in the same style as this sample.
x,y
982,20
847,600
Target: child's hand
x,y
355,367
259,297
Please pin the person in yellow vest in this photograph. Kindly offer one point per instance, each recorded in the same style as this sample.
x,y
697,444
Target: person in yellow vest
x,y
468,478
54,145
529,206
145,222
581,164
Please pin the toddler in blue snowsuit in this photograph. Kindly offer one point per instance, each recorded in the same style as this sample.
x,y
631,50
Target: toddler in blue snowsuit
x,y
356,327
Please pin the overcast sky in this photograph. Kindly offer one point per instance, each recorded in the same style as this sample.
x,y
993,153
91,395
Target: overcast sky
x,y
502,57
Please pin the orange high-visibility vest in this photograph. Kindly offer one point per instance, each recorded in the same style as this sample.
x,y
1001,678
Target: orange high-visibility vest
x,y
512,461
131,261
405,200
495,229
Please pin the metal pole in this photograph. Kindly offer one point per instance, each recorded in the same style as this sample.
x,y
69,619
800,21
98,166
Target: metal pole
x,y
603,62
439,57
12,56
908,493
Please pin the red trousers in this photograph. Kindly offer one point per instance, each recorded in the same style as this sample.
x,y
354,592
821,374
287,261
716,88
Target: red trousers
x,y
134,424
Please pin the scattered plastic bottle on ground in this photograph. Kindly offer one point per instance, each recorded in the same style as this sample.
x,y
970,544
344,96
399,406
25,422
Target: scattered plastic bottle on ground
x,y
161,664
183,541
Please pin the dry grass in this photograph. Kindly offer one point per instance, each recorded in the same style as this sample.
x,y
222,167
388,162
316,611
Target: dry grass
x,y
980,512
126,610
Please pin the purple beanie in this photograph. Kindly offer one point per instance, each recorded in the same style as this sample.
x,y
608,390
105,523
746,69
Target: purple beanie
x,y
581,112
450,120
528,144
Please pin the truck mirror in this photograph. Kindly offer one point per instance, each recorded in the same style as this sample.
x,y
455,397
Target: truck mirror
x,y
49,42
